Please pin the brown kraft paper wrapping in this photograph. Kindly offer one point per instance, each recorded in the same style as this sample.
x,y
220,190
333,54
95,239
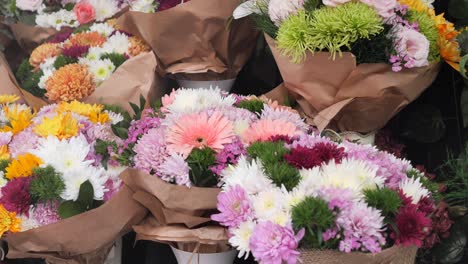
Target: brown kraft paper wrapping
x,y
196,38
29,36
179,215
342,95
7,80
133,78
82,239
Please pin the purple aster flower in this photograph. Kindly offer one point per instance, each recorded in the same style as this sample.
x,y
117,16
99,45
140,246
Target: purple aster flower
x,y
234,207
75,51
229,155
23,142
112,186
271,243
330,233
46,213
150,151
139,127
175,168
349,244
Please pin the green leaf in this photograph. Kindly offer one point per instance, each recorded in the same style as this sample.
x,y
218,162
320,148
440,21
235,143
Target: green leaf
x,y
69,6
142,102
463,66
120,131
70,208
86,195
458,8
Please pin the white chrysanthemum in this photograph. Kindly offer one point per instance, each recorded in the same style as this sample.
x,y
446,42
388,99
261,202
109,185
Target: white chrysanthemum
x,y
48,64
249,175
28,223
145,6
64,155
101,69
294,197
240,238
114,117
102,28
352,174
47,73
3,181
309,183
194,100
413,188
104,9
113,172
268,204
117,43
73,180
57,20
94,53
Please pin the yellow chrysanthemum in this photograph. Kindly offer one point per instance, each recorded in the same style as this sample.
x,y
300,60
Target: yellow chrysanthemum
x,y
416,5
92,111
18,119
8,98
8,221
22,166
61,126
4,153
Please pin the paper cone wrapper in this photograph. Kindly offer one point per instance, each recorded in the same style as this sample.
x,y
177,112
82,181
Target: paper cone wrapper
x,y
8,83
197,39
342,95
86,238
133,78
29,37
187,257
224,85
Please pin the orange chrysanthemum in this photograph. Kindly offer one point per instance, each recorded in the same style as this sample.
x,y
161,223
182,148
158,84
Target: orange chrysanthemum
x,y
70,82
4,153
43,52
137,46
92,39
449,50
61,126
8,221
18,119
22,166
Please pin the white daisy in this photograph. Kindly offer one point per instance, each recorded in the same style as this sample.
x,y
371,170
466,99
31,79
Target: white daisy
x,y
46,75
3,181
48,64
240,238
294,197
117,43
104,9
101,69
249,175
194,100
94,53
268,204
413,188
102,28
114,117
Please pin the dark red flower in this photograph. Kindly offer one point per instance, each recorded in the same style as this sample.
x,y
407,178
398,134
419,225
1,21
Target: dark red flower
x,y
426,205
413,226
284,138
441,224
15,195
167,4
405,200
75,51
61,37
307,158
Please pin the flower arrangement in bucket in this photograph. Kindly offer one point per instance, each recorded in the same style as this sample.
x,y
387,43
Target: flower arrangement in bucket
x,y
178,151
336,57
308,198
80,65
49,169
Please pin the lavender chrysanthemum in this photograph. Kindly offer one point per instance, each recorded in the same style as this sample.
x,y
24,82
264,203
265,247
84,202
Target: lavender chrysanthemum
x,y
284,114
23,142
234,207
309,141
5,138
175,169
46,213
150,151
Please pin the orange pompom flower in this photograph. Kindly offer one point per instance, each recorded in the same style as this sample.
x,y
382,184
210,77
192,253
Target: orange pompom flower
x,y
137,46
71,82
91,39
43,52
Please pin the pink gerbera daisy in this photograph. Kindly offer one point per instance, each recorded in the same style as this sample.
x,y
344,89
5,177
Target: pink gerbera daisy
x,y
266,128
199,131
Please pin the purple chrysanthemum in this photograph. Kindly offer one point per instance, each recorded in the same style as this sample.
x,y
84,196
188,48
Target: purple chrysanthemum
x,y
229,155
336,197
46,213
234,207
284,114
23,142
308,141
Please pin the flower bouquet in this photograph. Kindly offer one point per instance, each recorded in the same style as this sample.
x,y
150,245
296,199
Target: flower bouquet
x,y
177,153
352,64
96,64
51,174
308,198
218,48
34,21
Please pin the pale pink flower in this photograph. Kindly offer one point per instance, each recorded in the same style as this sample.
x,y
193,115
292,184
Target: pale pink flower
x,y
264,129
279,10
167,100
385,8
5,138
234,207
413,46
28,5
200,131
334,3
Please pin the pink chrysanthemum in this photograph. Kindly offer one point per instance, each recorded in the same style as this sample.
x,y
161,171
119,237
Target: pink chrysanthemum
x,y
200,131
150,151
234,207
175,169
23,142
264,129
271,243
46,213
5,138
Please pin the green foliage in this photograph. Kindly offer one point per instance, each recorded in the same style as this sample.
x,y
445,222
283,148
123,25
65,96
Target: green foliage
x,y
268,152
47,185
377,49
254,106
283,174
428,28
24,71
328,29
200,161
383,199
28,79
63,60
84,202
455,174
263,21
69,6
81,29
117,109
4,164
311,5
116,58
315,217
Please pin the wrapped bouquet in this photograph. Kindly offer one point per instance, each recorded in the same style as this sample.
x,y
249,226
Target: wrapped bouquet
x,y
353,64
307,197
33,21
218,48
97,64
178,152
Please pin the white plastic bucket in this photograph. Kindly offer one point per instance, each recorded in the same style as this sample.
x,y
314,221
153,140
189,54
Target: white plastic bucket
x,y
184,257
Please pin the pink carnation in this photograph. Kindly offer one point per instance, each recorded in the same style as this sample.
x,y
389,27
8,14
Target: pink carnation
x,y
279,10
274,244
234,207
46,213
412,46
